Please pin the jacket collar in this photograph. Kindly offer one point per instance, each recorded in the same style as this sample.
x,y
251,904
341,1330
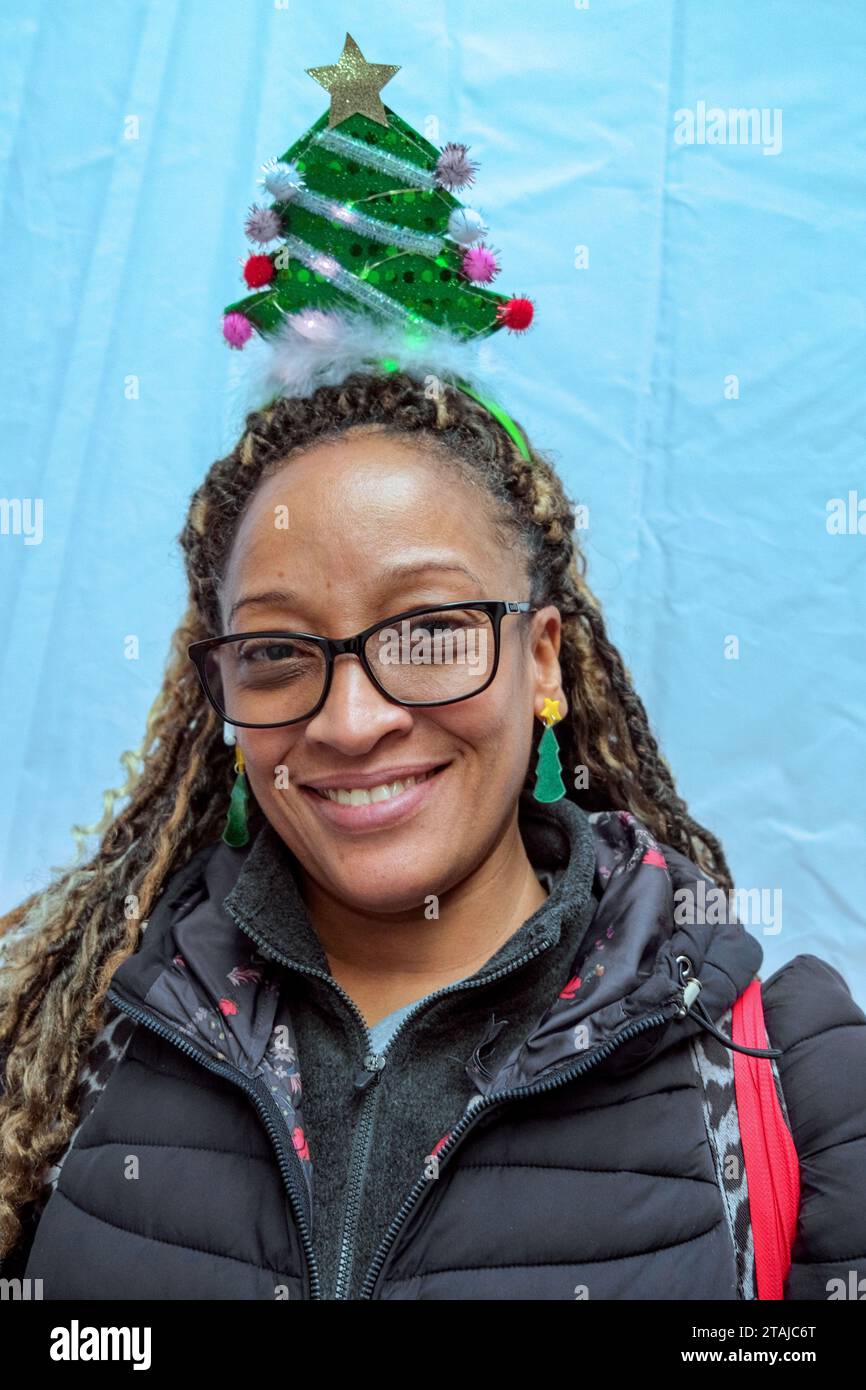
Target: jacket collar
x,y
559,844
627,969
210,962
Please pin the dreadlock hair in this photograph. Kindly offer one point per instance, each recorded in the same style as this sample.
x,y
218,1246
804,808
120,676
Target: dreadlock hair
x,y
63,944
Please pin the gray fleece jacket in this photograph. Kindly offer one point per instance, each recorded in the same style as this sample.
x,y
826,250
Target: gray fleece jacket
x,y
366,1138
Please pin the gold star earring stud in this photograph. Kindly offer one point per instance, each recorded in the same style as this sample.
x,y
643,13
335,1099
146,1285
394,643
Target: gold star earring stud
x,y
549,785
550,712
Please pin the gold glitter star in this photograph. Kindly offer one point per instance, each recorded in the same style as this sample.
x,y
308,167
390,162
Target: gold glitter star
x,y
551,710
354,85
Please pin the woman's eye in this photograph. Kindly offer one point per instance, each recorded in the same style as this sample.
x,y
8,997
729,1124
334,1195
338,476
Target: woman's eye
x,y
268,651
445,624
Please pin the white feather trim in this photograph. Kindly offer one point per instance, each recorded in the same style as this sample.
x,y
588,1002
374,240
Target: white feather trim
x,y
315,348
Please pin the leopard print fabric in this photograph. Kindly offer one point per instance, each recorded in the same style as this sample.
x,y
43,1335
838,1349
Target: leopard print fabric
x,y
105,1052
715,1066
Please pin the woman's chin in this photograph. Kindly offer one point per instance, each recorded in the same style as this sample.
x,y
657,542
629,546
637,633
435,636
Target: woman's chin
x,y
382,884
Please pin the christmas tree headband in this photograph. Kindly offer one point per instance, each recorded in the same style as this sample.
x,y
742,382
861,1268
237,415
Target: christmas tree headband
x,y
378,264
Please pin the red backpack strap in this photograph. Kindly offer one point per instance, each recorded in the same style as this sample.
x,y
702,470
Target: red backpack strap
x,y
772,1165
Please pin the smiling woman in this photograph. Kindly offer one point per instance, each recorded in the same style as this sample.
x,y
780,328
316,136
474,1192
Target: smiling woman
x,y
390,991
376,985
382,495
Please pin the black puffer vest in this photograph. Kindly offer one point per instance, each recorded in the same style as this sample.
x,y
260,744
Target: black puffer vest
x,y
248,1145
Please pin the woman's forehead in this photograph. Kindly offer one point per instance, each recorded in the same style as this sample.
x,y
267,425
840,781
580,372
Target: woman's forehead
x,y
368,491
376,516
352,460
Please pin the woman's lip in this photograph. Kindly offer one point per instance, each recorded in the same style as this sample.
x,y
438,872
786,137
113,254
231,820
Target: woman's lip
x,y
368,780
375,814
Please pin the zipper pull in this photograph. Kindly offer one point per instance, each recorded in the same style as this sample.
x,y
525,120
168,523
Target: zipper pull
x,y
693,1008
476,1068
691,988
373,1064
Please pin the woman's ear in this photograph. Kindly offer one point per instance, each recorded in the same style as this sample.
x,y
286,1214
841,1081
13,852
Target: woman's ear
x,y
545,643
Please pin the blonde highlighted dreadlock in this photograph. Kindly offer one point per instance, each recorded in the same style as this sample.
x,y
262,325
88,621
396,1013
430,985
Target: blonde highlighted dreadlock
x,y
72,936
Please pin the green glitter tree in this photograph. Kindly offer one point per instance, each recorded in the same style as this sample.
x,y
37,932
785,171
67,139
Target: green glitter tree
x,y
366,216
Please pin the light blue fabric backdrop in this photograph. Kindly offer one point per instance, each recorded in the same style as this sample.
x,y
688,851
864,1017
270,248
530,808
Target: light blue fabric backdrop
x,y
697,370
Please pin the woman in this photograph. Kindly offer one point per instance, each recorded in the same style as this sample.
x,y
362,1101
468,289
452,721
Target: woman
x,y
421,1035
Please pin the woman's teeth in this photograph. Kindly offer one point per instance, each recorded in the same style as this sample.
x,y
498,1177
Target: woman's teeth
x,y
363,796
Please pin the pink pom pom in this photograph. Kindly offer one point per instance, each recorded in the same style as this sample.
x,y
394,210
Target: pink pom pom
x,y
480,265
237,329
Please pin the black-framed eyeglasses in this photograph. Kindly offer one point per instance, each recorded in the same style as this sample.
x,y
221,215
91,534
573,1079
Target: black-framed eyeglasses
x,y
429,655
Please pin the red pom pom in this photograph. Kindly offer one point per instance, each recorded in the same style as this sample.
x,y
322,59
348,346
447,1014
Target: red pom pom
x,y
516,314
258,271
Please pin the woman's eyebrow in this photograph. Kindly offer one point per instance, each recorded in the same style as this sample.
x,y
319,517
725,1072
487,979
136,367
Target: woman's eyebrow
x,y
406,568
389,573
269,596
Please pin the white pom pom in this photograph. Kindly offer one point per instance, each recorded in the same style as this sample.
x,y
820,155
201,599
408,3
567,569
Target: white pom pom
x,y
281,180
466,226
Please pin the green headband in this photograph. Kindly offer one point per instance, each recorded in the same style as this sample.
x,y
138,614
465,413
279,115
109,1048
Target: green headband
x,y
492,406
502,416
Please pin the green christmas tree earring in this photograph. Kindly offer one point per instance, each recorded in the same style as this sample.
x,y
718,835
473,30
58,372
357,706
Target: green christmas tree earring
x,y
236,832
549,785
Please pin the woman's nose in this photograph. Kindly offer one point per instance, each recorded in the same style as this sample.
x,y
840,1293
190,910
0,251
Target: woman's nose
x,y
355,714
